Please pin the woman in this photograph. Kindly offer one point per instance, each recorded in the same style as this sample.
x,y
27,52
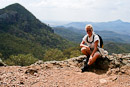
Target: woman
x,y
91,49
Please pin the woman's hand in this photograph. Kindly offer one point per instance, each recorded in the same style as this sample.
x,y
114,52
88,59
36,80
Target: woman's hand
x,y
90,60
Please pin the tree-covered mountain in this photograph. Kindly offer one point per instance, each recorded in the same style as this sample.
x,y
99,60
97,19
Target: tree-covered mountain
x,y
69,33
114,47
22,33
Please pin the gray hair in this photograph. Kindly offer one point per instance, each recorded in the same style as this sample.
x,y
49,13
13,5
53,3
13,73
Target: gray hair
x,y
89,25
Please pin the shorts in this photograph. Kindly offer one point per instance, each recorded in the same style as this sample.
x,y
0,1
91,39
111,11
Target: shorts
x,y
91,50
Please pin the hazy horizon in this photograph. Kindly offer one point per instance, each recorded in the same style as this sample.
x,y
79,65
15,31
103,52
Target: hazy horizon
x,y
60,23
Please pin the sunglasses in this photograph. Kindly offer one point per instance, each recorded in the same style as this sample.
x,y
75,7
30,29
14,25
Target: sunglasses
x,y
89,30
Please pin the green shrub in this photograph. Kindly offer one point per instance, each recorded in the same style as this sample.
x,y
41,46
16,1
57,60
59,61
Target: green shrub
x,y
75,53
72,52
21,60
53,54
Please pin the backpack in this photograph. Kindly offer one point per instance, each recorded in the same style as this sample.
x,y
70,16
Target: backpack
x,y
101,40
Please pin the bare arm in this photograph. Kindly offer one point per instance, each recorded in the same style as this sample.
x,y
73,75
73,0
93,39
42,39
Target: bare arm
x,y
82,44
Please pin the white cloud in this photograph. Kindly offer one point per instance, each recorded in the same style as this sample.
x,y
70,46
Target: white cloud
x,y
76,10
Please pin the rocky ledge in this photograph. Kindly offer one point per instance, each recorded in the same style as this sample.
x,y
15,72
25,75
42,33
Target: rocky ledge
x,y
118,62
112,71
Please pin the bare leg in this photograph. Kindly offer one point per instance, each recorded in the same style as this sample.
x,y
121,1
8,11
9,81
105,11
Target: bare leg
x,y
91,61
85,50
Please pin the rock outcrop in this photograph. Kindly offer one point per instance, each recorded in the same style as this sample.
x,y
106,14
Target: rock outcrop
x,y
115,63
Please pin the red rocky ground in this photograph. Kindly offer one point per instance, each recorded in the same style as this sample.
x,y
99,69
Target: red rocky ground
x,y
38,76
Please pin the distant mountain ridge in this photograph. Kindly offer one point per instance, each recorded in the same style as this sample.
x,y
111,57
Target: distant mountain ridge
x,y
76,35
116,26
22,33
113,42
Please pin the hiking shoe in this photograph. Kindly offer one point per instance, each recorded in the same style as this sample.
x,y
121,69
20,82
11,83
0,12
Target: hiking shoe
x,y
85,68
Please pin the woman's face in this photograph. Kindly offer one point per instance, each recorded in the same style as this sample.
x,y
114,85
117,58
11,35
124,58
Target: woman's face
x,y
89,31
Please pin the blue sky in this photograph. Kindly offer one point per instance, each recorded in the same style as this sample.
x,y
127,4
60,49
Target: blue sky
x,y
76,10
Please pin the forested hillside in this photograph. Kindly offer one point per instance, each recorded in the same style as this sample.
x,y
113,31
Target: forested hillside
x,y
22,33
69,33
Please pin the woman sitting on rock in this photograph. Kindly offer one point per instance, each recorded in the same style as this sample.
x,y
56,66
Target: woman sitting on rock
x,y
91,49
